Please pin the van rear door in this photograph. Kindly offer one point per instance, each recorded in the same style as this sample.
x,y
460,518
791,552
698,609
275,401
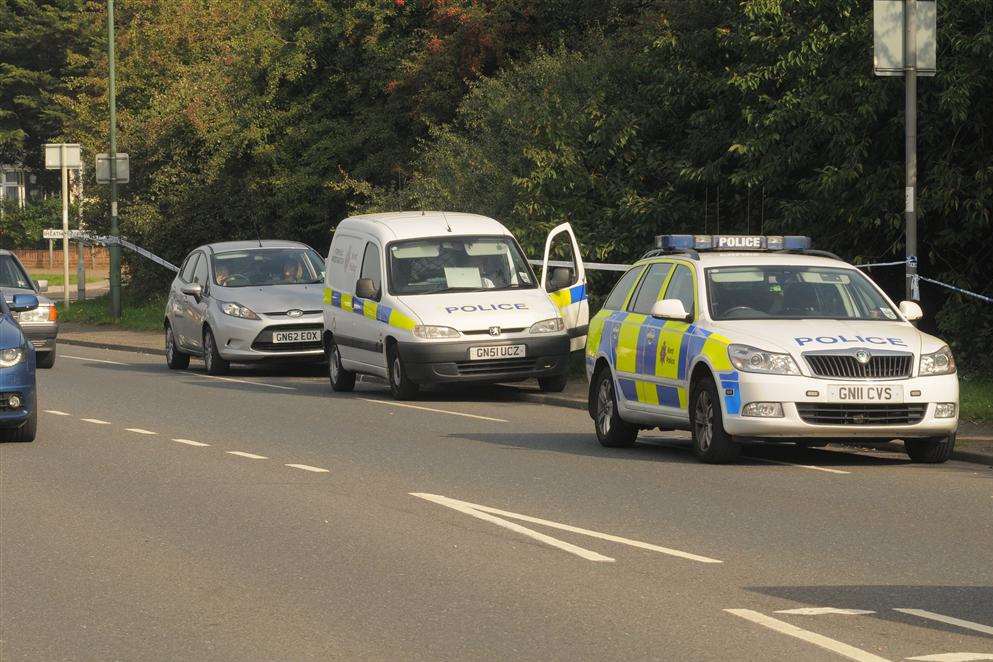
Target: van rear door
x,y
563,276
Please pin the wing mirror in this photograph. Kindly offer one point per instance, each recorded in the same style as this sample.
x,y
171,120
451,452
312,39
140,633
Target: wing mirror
x,y
194,290
366,289
23,303
670,309
911,310
41,285
560,278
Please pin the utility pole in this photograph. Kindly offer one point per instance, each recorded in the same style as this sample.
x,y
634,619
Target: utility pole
x,y
115,249
80,261
910,139
63,160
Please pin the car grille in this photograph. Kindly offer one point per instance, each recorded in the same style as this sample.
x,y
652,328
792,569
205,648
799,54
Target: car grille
x,y
263,341
817,413
282,313
486,332
497,366
845,366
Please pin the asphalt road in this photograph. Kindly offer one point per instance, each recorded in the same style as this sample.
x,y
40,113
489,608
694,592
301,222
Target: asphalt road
x,y
165,515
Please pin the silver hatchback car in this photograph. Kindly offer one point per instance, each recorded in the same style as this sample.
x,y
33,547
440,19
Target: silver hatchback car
x,y
245,301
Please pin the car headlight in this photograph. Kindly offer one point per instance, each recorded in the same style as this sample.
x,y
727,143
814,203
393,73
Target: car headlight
x,y
238,310
751,359
428,332
43,313
552,325
11,357
939,363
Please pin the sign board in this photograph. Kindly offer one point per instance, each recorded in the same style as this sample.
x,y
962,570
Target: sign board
x,y
123,168
52,233
53,156
887,28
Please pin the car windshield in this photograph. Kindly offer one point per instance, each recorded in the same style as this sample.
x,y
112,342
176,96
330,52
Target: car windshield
x,y
458,264
786,292
12,275
268,266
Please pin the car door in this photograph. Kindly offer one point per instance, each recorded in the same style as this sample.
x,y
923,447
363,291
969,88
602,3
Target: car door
x,y
368,327
679,343
343,268
179,309
196,307
639,341
563,276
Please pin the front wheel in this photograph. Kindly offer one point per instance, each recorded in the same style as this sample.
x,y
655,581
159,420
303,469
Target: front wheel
x,y
930,451
401,387
212,359
711,442
611,430
341,379
175,359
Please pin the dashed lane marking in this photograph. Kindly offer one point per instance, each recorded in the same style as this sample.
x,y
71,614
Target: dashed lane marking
x,y
86,358
140,431
802,466
55,412
950,620
817,611
240,381
833,645
307,467
190,442
250,456
95,421
436,411
953,657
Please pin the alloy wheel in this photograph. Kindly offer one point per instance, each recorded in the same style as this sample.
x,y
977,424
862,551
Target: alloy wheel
x,y
703,420
605,406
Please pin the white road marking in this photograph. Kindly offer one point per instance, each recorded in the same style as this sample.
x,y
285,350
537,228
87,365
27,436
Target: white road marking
x,y
190,442
841,648
95,421
953,657
86,358
240,381
250,456
437,411
307,467
817,611
140,431
802,466
55,412
951,620
446,501
581,552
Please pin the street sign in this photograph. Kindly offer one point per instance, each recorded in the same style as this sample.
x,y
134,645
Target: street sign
x,y
123,168
888,35
53,156
55,233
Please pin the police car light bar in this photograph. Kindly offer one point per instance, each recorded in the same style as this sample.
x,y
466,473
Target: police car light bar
x,y
729,242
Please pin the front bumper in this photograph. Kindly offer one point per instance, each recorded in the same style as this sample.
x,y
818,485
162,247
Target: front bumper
x,y
244,340
446,362
796,392
42,336
14,418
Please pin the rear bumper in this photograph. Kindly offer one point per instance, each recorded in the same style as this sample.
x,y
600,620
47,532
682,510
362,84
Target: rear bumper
x,y
447,362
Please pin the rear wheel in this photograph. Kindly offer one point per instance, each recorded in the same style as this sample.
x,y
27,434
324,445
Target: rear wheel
x,y
27,431
930,451
175,359
401,387
552,384
45,359
212,359
711,442
341,379
611,430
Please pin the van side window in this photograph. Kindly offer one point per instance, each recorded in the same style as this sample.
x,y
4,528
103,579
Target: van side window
x,y
371,266
186,274
681,287
615,300
650,289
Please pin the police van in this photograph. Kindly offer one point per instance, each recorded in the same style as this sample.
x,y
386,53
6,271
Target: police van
x,y
741,339
422,298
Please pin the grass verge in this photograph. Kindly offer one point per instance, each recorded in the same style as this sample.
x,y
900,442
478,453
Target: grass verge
x,y
55,278
138,313
976,398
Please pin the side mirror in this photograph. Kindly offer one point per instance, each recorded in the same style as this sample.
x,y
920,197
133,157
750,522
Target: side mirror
x,y
560,278
194,290
23,303
911,310
366,289
670,309
41,285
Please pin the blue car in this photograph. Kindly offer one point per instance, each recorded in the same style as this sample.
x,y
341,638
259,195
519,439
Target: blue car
x,y
18,394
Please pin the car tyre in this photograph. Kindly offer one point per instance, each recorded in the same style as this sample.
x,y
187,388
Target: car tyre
x,y
553,384
26,433
930,451
401,387
611,430
711,442
175,359
45,359
341,380
212,359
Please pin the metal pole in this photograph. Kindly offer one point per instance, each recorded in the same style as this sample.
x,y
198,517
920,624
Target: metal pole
x,y
80,262
115,249
65,224
910,112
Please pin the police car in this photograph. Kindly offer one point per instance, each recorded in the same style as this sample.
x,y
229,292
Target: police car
x,y
750,338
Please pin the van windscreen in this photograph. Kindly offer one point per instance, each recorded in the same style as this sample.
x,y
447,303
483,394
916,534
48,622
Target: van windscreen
x,y
458,264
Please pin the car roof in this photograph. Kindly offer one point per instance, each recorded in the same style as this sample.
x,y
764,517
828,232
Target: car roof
x,y
392,226
748,258
221,246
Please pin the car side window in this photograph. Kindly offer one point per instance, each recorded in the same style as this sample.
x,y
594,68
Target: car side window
x,y
200,273
681,287
615,300
186,273
650,288
371,266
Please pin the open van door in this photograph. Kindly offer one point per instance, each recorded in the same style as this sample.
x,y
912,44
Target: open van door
x,y
563,276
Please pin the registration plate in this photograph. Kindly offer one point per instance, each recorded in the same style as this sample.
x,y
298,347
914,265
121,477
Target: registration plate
x,y
309,335
497,352
865,393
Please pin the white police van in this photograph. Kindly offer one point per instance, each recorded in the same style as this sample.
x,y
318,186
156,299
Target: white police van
x,y
439,297
760,338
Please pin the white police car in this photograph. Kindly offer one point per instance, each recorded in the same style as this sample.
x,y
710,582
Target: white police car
x,y
760,338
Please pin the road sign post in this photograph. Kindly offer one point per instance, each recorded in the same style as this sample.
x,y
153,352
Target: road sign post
x,y
115,250
62,156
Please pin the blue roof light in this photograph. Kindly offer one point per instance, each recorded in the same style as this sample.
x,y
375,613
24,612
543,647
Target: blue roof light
x,y
728,242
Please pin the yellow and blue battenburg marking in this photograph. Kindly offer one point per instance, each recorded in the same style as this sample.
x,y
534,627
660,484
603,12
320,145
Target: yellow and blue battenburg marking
x,y
368,308
568,296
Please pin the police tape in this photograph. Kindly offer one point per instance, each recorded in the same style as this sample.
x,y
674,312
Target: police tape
x,y
593,266
981,297
118,241
884,264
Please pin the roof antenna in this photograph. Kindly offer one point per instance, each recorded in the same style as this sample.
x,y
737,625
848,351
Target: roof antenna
x,y
447,224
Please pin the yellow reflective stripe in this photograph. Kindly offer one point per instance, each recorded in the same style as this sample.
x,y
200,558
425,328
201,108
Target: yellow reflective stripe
x,y
627,343
561,298
595,332
401,321
647,393
672,338
346,302
327,296
683,397
715,348
369,309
